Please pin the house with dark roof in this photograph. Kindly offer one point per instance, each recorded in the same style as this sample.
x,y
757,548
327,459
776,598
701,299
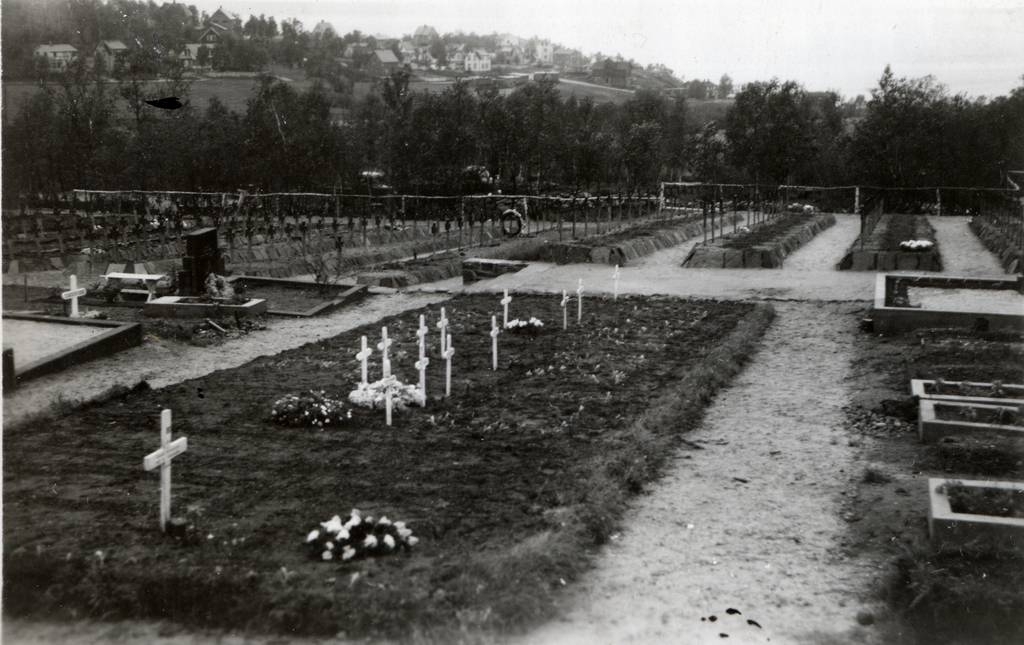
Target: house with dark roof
x,y
58,56
382,62
111,54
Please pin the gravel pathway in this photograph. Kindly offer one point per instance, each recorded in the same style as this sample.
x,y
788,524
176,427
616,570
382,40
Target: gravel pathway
x,y
165,362
961,250
827,248
748,518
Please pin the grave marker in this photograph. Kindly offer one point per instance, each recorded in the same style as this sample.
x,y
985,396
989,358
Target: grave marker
x,y
421,365
389,381
615,278
448,353
421,334
73,294
383,346
565,312
505,303
362,356
442,325
494,342
162,459
579,302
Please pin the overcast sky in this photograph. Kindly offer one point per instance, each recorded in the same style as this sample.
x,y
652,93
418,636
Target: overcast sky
x,y
974,47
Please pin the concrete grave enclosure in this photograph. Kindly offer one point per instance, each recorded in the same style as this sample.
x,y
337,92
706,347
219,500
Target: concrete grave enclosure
x,y
951,529
888,318
769,255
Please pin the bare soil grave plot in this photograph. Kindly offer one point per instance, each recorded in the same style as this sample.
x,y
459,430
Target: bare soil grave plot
x,y
938,594
509,483
764,247
881,249
34,339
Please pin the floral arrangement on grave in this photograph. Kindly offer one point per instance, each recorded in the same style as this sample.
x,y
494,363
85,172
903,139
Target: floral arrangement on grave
x,y
218,288
530,327
309,410
359,537
373,395
916,245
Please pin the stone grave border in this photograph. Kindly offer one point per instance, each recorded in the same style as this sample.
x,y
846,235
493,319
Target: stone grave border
x,y
887,319
120,336
353,294
930,428
867,258
769,255
172,307
947,528
999,243
917,389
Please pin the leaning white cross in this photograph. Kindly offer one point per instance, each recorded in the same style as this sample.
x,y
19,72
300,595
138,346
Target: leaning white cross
x,y
162,459
579,302
421,334
505,302
448,353
615,278
73,294
565,312
383,346
494,341
443,326
362,356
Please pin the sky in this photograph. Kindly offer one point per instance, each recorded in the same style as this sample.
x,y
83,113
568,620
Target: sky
x,y
972,47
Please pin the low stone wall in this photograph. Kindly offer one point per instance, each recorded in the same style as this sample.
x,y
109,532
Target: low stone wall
x,y
872,258
762,256
622,253
474,269
999,243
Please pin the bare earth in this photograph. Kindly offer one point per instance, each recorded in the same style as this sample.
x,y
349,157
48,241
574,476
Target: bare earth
x,y
749,517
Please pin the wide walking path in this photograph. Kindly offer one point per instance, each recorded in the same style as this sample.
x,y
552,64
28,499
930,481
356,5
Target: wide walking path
x,y
961,250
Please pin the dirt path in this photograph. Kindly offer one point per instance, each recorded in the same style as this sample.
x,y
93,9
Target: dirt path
x,y
164,362
827,248
962,252
749,517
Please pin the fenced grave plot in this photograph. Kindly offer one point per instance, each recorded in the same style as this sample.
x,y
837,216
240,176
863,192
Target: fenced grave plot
x,y
763,247
47,344
295,298
985,304
976,512
938,419
507,482
894,242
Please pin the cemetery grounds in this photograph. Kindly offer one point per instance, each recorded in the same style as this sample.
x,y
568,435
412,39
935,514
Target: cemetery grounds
x,y
512,507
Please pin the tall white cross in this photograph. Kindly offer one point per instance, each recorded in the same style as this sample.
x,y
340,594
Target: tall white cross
x,y
615,278
494,342
362,356
162,459
421,334
505,302
389,382
443,326
383,346
448,353
73,294
565,312
579,302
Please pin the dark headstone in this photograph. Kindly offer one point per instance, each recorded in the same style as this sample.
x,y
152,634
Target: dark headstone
x,y
10,381
202,257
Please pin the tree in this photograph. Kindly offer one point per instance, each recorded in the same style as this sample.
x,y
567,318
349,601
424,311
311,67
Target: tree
x,y
769,131
724,87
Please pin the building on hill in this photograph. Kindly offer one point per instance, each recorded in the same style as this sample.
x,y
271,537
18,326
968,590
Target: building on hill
x,y
570,61
111,54
357,51
323,28
407,50
424,35
382,62
58,56
217,26
617,73
221,19
543,53
477,60
192,58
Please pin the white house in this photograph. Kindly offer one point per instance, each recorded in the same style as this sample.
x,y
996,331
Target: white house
x,y
477,60
57,56
543,52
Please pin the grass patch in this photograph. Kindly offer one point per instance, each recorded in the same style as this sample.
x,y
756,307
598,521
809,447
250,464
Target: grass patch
x,y
510,484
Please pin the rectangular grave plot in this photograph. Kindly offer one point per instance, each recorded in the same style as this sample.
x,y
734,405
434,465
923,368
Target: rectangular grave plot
x,y
931,428
1013,393
951,529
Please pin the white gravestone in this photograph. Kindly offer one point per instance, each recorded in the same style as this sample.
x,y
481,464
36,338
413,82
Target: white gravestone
x,y
448,353
442,325
362,357
162,459
383,346
73,294
565,312
505,303
389,382
579,302
421,335
494,342
615,279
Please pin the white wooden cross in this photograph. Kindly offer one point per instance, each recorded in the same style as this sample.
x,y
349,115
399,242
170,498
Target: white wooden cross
x,y
421,334
494,342
383,346
389,382
565,312
421,365
162,459
579,302
505,302
73,294
615,278
443,326
448,353
362,356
